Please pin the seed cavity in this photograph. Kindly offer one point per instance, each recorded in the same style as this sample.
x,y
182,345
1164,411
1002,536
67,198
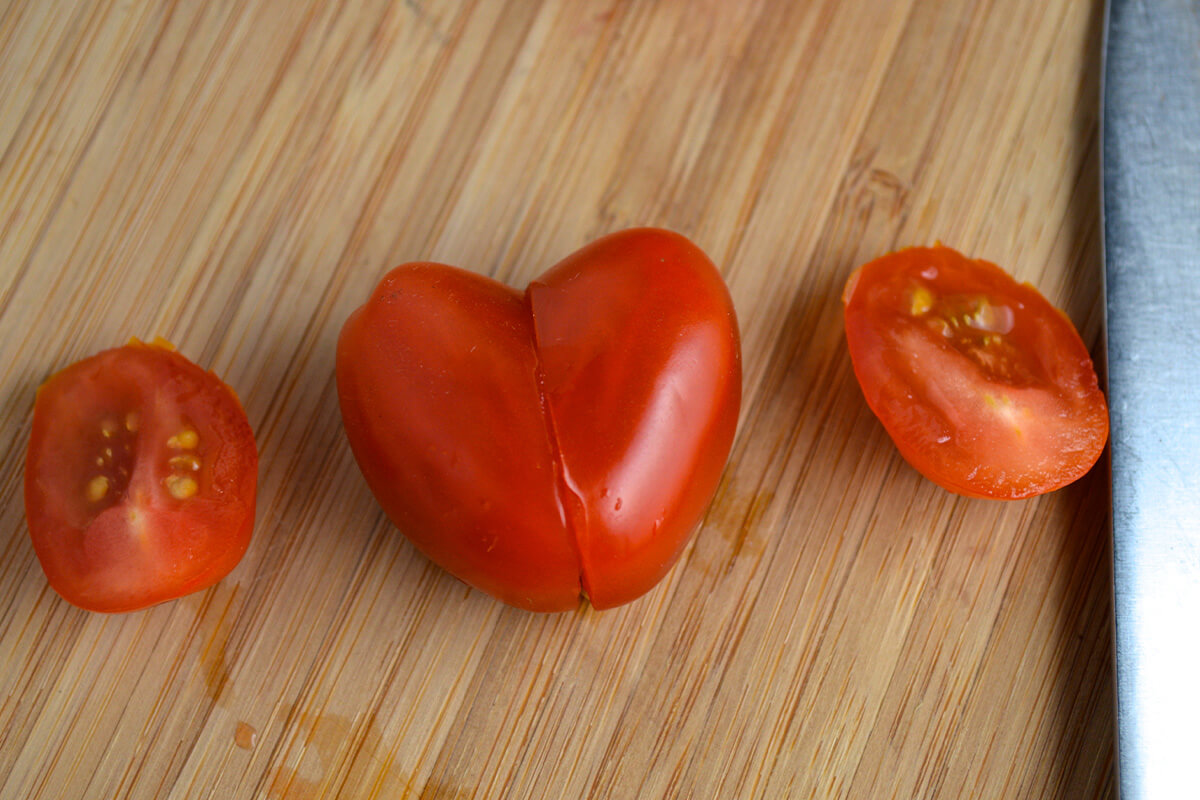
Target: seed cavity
x,y
182,482
181,487
97,488
991,318
185,461
112,454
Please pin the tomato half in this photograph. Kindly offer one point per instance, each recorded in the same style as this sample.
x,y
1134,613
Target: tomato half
x,y
985,387
140,478
552,442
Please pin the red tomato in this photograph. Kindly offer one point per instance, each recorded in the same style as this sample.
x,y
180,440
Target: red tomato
x,y
139,480
985,387
562,440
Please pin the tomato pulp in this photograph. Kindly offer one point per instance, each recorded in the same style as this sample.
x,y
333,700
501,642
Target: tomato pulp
x,y
140,478
985,387
552,442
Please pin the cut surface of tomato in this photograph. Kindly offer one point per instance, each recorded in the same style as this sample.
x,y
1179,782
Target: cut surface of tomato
x,y
140,478
555,442
985,387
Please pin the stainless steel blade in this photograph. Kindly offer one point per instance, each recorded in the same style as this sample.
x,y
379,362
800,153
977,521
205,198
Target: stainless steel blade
x,y
1151,154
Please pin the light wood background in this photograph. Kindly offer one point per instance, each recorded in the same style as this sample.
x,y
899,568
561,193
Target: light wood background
x,y
237,176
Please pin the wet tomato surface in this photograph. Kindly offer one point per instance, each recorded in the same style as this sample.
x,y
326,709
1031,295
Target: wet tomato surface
x,y
554,442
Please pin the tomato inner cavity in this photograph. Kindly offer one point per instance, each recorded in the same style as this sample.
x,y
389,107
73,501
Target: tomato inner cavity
x,y
184,459
110,451
976,326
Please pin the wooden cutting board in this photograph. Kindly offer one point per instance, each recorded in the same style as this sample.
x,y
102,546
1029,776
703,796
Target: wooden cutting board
x,y
235,177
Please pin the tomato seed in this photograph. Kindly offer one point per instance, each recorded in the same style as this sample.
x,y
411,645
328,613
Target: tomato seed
x,y
186,439
97,488
181,487
922,301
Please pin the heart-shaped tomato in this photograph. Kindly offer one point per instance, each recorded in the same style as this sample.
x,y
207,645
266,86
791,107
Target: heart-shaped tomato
x,y
562,440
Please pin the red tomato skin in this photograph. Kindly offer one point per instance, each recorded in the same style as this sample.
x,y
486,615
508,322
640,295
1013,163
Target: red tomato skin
x,y
148,547
1033,424
641,361
563,440
437,382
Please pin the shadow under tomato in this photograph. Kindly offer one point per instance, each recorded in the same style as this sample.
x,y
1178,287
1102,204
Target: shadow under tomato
x,y
1085,736
1081,740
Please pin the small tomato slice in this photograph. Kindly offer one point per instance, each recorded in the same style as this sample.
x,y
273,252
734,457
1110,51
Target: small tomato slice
x,y
140,478
985,387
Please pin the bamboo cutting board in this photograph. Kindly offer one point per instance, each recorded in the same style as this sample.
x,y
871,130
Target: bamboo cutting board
x,y
236,177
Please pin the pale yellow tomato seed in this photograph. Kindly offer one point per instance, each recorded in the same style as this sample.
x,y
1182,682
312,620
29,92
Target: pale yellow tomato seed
x,y
186,439
181,487
97,488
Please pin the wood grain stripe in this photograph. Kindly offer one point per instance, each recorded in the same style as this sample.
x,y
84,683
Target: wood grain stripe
x,y
237,176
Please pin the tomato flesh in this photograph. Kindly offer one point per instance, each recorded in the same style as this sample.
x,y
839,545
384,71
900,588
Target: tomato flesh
x,y
551,443
437,380
140,479
985,387
641,371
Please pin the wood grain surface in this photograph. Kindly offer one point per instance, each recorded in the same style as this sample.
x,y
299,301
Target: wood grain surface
x,y
236,177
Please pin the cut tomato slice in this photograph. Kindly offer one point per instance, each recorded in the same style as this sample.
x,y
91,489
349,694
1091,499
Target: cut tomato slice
x,y
140,478
985,387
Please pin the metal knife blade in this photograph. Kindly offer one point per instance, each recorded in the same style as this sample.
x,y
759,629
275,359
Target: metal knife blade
x,y
1151,165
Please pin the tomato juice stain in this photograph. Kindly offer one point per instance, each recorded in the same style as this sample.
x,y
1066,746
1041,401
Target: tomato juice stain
x,y
245,736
